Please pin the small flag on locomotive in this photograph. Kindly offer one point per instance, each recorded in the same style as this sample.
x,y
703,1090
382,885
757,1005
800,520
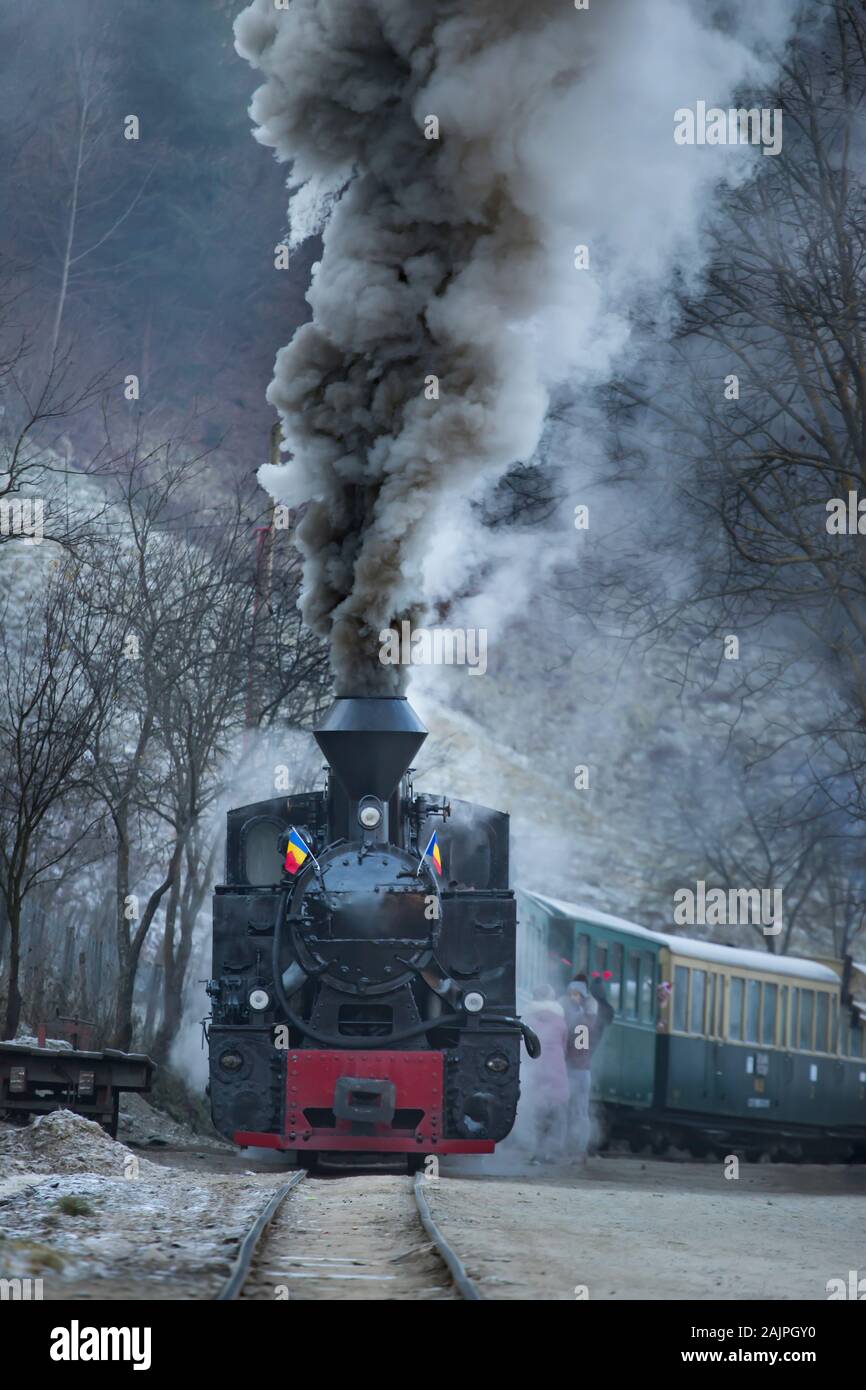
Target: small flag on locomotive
x,y
432,852
297,852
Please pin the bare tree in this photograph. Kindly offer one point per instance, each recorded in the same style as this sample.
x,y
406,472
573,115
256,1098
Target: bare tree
x,y
142,572
200,670
59,677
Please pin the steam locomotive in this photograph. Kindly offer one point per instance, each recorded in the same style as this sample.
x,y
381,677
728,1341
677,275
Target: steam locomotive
x,y
363,990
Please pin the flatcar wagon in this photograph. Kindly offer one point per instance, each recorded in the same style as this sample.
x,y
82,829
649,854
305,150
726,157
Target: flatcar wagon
x,y
710,1046
35,1079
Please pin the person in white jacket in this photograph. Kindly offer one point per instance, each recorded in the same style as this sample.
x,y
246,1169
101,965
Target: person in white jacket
x,y
548,1097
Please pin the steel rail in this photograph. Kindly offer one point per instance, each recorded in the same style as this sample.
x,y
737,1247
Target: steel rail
x,y
240,1269
456,1268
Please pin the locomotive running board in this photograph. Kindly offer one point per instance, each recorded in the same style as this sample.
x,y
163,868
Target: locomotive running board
x,y
335,1100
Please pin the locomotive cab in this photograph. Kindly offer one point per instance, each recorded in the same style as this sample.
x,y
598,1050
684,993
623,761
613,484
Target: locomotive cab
x,y
363,1001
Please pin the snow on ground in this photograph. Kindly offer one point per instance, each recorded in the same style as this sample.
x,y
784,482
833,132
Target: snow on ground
x,y
62,1142
93,1219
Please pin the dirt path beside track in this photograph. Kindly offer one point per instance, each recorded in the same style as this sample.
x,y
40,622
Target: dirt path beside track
x,y
626,1228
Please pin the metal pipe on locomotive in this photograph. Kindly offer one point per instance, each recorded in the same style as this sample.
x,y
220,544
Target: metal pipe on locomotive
x,y
365,1006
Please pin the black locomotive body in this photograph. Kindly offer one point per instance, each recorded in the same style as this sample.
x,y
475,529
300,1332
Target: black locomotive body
x,y
365,1003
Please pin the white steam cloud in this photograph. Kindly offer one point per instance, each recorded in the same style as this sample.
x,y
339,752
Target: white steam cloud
x,y
454,257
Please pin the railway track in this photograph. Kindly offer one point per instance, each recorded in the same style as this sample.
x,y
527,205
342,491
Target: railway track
x,y
379,1256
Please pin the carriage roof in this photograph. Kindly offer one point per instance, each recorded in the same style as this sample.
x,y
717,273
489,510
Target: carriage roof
x,y
714,951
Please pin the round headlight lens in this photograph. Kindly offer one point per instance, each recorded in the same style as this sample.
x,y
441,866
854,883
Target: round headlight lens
x,y
370,817
231,1061
473,1002
260,1000
497,1062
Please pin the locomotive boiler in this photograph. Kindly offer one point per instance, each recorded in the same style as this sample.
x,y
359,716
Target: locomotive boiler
x,y
363,990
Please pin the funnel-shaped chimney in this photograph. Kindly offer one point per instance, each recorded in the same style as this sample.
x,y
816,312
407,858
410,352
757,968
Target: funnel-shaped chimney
x,y
369,742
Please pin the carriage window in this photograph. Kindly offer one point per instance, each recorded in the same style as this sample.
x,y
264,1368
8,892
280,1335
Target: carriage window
x,y
711,1006
582,954
753,1004
735,1009
647,980
768,1018
681,997
699,985
807,1009
783,1016
632,979
614,984
855,1041
600,957
822,1018
795,1012
834,1024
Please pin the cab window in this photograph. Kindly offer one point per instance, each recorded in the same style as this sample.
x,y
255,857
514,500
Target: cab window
x,y
260,848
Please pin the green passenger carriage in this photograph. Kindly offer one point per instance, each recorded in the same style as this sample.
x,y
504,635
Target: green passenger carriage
x,y
710,1045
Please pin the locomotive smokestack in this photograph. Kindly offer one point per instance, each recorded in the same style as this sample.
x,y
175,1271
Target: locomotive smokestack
x,y
369,741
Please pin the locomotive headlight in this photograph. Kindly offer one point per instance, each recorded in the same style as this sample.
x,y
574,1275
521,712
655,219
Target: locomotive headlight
x,y
497,1062
259,1000
473,1002
231,1061
370,813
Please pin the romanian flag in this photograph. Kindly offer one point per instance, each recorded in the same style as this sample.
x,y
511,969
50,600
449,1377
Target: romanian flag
x,y
296,852
433,851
